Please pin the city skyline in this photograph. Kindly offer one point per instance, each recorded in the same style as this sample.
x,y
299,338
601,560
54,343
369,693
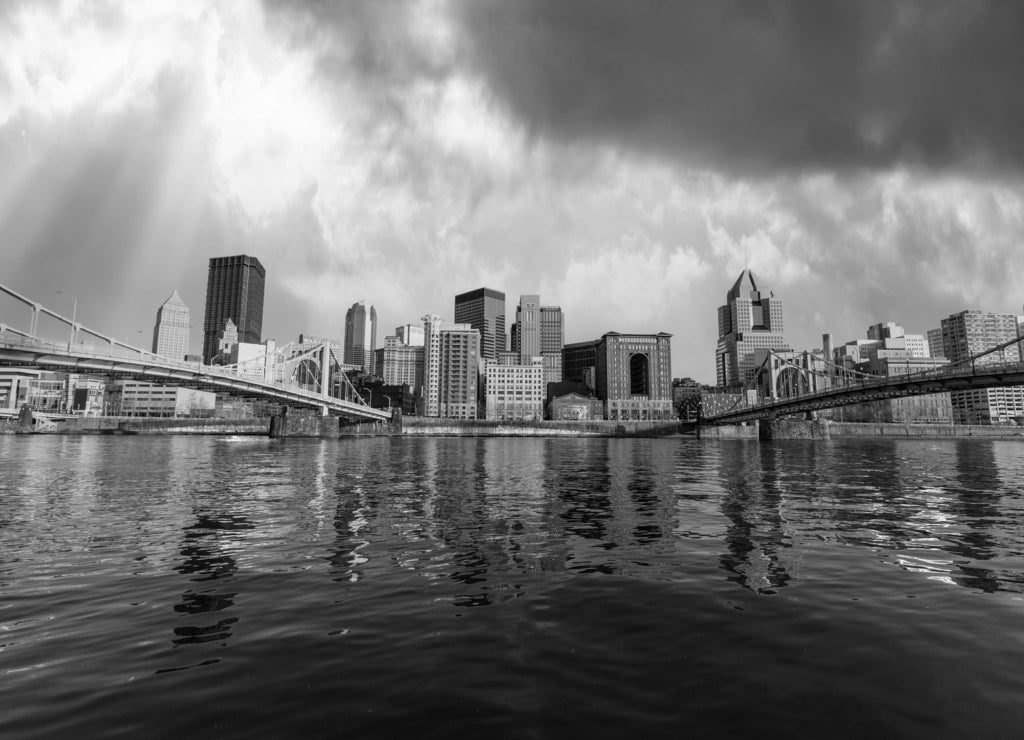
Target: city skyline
x,y
626,177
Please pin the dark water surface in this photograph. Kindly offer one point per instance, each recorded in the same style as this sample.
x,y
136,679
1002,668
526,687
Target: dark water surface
x,y
533,588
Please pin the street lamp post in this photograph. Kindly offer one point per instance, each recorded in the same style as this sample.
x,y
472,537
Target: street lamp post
x,y
74,317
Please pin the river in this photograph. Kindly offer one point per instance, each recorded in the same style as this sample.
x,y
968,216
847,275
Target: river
x,y
510,587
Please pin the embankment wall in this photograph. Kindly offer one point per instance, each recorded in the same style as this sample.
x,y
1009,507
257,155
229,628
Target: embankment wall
x,y
489,428
120,425
853,429
728,431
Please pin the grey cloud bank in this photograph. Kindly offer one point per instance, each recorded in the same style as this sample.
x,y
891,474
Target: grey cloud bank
x,y
756,87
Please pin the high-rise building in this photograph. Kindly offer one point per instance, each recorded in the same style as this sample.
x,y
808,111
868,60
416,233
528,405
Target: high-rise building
x,y
484,310
552,339
967,334
451,369
234,290
515,390
552,329
226,341
634,376
410,335
539,331
527,328
170,334
747,322
579,363
360,336
397,363
935,343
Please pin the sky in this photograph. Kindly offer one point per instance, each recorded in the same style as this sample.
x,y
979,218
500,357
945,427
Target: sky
x,y
625,161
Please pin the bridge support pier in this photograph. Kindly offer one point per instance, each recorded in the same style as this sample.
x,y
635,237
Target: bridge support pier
x,y
312,424
279,424
25,419
771,429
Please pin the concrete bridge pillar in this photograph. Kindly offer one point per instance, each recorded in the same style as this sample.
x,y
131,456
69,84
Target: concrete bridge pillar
x,y
772,429
25,418
279,424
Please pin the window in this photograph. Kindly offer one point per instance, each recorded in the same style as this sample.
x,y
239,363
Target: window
x,y
639,375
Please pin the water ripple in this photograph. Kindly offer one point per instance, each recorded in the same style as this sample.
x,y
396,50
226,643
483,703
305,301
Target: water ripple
x,y
509,587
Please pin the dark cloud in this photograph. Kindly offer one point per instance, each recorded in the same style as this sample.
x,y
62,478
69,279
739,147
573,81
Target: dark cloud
x,y
755,85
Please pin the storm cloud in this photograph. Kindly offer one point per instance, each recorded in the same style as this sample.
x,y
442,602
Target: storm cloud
x,y
759,87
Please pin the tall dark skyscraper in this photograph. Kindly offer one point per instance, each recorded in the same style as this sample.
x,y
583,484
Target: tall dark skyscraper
x,y
484,310
234,290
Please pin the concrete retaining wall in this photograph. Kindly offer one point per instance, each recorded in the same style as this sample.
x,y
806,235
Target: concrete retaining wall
x,y
793,429
194,426
488,428
728,431
852,429
121,425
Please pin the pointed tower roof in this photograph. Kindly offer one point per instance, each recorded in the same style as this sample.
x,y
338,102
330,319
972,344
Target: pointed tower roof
x,y
745,286
174,300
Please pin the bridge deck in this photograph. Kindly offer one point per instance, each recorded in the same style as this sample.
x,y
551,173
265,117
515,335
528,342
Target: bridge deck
x,y
24,351
878,389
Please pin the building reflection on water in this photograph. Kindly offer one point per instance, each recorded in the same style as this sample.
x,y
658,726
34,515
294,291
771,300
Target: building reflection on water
x,y
489,516
753,496
980,506
207,558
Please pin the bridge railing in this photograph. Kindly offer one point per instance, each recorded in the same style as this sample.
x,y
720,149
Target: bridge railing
x,y
946,372
13,338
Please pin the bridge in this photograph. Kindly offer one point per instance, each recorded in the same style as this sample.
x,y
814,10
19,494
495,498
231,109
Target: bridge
x,y
837,386
297,375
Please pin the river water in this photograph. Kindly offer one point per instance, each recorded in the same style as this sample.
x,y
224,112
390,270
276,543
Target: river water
x,y
524,588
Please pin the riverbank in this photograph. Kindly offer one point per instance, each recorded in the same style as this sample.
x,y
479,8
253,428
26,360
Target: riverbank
x,y
424,426
853,429
296,425
825,429
130,425
315,426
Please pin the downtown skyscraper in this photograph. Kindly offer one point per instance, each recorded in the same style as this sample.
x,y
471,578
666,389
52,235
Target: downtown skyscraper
x,y
484,310
749,321
539,331
451,369
234,290
360,336
170,334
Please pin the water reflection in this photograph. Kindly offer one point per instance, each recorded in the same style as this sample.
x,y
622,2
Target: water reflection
x,y
580,480
977,505
752,502
488,510
208,556
351,517
941,506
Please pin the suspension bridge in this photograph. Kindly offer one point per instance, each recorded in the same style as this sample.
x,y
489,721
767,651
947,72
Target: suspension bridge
x,y
782,386
293,375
